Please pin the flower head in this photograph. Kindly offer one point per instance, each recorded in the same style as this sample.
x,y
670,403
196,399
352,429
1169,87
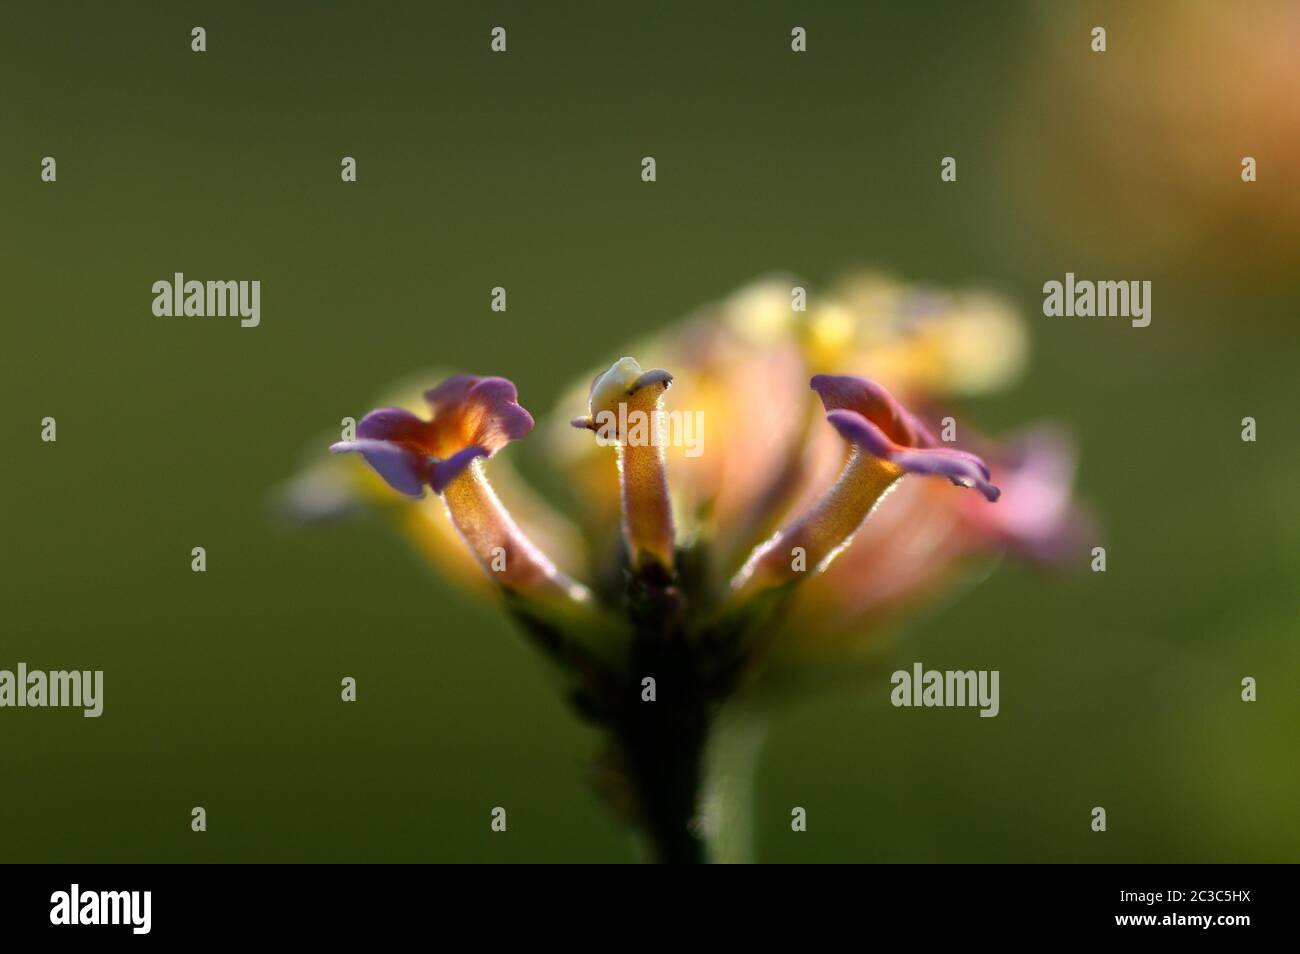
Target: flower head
x,y
868,417
730,573
886,441
623,410
473,417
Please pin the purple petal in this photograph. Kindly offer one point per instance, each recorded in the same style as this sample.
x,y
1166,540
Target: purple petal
x,y
472,417
1039,519
489,406
450,392
962,468
873,402
405,470
445,471
392,424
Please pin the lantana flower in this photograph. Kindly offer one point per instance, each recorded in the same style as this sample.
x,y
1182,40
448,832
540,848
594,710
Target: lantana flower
x,y
707,583
472,418
885,442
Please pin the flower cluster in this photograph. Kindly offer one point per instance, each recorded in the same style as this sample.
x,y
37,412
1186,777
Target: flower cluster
x,y
824,505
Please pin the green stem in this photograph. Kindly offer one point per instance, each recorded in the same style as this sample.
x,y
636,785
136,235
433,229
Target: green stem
x,y
695,788
687,760
663,741
729,788
665,772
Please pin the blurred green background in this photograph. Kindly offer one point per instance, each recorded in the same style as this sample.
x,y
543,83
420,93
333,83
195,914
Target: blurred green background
x,y
221,689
